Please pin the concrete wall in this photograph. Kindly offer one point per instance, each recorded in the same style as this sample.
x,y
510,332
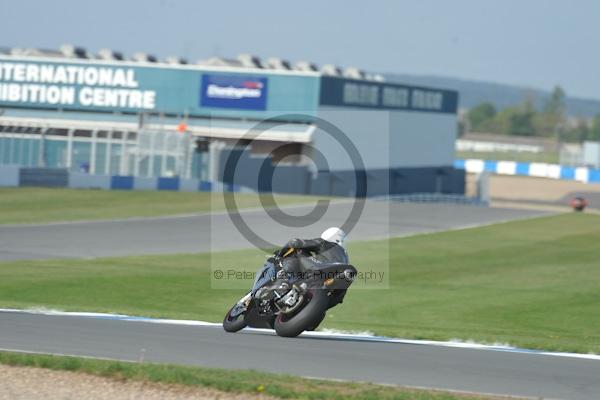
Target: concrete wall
x,y
283,179
78,180
388,139
9,175
302,180
421,139
367,130
47,177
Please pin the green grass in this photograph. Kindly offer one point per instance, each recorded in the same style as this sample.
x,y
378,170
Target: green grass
x,y
234,381
552,158
36,205
534,284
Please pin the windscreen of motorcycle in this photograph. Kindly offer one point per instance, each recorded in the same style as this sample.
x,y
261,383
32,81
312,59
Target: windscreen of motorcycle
x,y
264,275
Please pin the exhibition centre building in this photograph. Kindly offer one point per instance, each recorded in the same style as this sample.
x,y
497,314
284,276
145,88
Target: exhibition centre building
x,y
294,129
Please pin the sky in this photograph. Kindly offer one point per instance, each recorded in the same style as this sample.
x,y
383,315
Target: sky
x,y
533,43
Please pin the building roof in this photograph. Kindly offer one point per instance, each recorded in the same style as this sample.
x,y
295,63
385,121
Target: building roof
x,y
243,61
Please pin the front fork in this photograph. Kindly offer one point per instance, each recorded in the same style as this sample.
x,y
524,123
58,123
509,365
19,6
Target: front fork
x,y
246,299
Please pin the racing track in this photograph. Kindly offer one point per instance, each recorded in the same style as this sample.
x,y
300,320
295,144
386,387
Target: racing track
x,y
483,371
215,232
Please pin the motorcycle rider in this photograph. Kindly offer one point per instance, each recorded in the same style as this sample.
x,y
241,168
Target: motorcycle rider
x,y
305,254
299,255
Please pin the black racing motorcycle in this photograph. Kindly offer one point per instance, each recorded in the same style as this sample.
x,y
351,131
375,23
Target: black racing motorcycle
x,y
291,303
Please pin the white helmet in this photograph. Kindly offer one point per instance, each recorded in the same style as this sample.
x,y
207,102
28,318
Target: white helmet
x,y
334,235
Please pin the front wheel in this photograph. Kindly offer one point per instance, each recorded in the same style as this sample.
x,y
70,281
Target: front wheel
x,y
234,323
308,317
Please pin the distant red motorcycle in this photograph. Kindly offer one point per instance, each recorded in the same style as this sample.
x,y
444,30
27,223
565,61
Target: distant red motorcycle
x,y
578,203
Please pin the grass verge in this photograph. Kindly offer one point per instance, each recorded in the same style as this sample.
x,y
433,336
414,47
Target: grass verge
x,y
36,205
533,284
233,381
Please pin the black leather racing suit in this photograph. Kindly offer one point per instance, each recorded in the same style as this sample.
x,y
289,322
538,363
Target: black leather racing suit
x,y
310,253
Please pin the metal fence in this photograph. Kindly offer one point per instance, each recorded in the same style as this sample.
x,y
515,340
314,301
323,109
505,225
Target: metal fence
x,y
143,153
571,155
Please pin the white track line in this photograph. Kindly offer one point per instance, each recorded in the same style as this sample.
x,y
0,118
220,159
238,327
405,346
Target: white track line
x,y
317,334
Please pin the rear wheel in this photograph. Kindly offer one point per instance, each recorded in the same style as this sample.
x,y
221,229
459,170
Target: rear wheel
x,y
308,318
316,325
234,323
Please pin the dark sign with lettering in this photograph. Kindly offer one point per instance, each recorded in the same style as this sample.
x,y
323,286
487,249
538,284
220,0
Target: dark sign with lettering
x,y
234,91
386,96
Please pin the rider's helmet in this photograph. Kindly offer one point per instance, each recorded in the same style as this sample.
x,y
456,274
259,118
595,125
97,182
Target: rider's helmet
x,y
334,235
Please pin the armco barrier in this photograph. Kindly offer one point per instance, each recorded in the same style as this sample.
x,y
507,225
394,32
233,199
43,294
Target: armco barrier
x,y
540,170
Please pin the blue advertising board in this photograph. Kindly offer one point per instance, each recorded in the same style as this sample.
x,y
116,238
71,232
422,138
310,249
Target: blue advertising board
x,y
234,91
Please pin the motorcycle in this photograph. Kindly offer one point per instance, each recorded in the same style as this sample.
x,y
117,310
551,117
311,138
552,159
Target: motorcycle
x,y
291,303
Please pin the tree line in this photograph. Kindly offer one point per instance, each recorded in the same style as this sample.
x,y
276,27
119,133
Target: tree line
x,y
526,120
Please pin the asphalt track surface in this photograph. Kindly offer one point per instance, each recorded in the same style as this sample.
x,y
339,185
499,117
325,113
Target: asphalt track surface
x,y
484,371
216,232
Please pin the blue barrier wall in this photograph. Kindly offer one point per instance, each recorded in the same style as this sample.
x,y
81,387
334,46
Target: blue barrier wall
x,y
168,184
14,176
280,179
539,170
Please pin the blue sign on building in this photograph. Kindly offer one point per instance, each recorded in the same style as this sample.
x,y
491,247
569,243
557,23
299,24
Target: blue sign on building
x,y
234,91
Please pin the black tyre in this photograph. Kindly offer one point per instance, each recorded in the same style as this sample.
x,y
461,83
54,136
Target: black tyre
x,y
316,325
309,317
234,324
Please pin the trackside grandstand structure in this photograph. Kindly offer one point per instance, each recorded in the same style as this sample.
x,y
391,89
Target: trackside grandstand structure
x,y
104,115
